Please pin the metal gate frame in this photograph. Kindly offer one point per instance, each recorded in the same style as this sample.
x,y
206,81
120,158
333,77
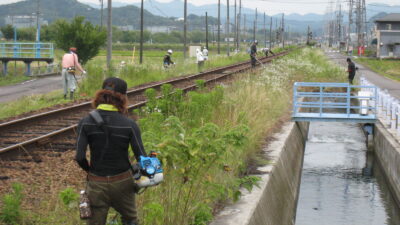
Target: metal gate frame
x,y
303,99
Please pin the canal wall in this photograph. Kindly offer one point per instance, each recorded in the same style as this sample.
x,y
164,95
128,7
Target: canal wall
x,y
275,200
387,151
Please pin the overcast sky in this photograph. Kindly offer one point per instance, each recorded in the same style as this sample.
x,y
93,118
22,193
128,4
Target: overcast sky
x,y
268,6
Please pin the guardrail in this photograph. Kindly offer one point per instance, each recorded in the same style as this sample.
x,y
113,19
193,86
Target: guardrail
x,y
26,50
334,102
388,108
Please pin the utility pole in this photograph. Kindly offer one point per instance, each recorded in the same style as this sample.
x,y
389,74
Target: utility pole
x,y
283,30
235,27
365,23
278,32
255,27
270,34
37,21
265,31
348,40
359,23
244,27
141,32
184,28
109,35
254,30
308,35
101,13
238,38
219,27
340,24
227,26
206,31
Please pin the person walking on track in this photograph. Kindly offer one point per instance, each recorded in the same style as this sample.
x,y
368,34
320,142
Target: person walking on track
x,y
70,63
110,181
253,53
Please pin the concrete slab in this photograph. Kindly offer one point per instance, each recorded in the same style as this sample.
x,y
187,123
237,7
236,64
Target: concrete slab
x,y
274,201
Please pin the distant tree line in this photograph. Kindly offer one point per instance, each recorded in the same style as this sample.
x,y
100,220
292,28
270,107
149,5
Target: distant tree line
x,y
78,33
51,32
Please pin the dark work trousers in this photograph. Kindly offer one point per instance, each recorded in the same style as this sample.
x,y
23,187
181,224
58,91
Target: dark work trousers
x,y
351,77
253,60
119,195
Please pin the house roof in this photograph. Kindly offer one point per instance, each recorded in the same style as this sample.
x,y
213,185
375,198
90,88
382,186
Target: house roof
x,y
392,17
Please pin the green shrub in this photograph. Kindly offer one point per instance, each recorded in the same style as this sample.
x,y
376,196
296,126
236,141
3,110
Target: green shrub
x,y
11,212
69,197
203,214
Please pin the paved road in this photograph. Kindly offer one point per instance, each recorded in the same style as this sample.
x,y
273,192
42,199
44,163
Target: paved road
x,y
382,82
30,87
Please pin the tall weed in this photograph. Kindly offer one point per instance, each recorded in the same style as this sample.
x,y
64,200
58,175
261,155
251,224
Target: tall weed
x,y
11,212
206,138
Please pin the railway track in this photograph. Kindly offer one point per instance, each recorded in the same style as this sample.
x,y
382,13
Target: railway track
x,y
54,132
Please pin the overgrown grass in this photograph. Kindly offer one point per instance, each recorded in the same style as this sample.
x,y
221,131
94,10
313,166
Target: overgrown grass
x,y
205,140
10,80
388,67
11,212
189,138
30,103
152,69
133,73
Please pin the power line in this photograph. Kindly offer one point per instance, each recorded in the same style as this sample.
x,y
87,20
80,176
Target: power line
x,y
158,9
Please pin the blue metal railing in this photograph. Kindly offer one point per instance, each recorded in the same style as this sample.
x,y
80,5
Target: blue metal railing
x,y
35,50
333,102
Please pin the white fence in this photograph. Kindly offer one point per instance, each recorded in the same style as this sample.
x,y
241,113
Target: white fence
x,y
388,108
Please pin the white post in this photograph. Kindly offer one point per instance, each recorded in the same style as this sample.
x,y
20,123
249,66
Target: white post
x,y
398,119
383,112
388,110
393,116
364,101
362,83
372,101
380,102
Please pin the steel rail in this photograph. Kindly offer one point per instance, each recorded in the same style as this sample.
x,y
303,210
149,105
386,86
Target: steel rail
x,y
48,136
133,91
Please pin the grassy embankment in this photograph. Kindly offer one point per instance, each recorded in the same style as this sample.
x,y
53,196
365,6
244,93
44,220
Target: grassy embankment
x,y
205,141
16,70
388,67
133,73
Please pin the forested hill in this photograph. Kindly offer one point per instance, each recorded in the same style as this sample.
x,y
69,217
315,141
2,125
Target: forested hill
x,y
55,9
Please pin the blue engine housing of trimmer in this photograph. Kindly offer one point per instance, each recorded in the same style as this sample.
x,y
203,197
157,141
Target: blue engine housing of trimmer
x,y
150,165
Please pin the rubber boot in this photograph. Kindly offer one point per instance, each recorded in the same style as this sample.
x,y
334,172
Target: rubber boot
x,y
71,95
65,96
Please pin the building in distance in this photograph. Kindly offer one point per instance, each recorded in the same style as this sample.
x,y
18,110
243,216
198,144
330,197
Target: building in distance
x,y
24,21
387,31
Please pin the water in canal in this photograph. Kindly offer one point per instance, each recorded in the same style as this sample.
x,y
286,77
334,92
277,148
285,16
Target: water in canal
x,y
341,183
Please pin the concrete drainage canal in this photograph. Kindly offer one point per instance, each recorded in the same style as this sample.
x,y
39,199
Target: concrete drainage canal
x,y
341,182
